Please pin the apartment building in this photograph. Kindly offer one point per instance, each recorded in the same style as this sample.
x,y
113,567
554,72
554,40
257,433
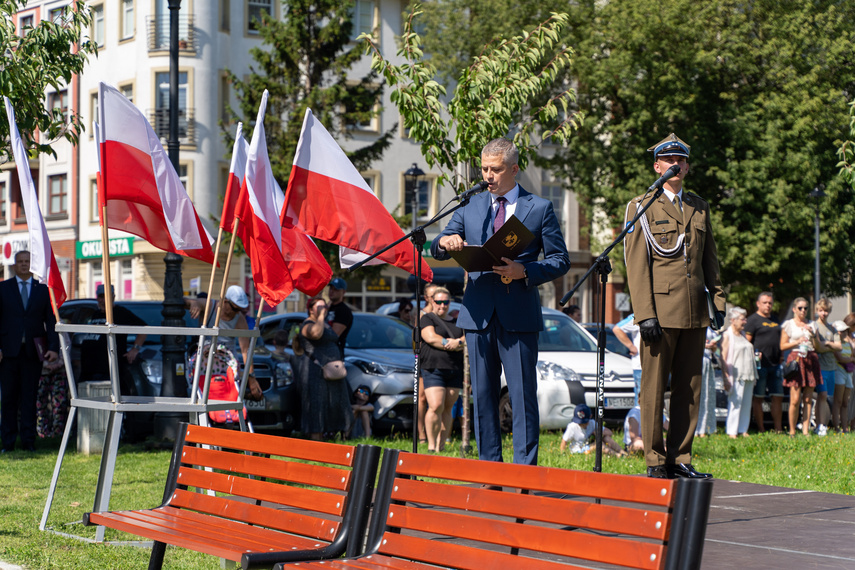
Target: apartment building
x,y
214,36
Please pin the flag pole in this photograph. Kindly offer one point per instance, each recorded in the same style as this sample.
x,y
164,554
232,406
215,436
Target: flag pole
x,y
201,344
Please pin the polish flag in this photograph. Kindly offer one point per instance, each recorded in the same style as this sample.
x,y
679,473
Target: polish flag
x,y
139,186
281,258
42,261
237,171
329,200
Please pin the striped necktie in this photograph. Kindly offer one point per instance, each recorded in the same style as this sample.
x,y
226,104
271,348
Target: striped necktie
x,y
500,214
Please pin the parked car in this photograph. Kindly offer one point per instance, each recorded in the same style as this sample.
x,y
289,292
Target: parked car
x,y
379,354
612,342
389,308
276,378
567,375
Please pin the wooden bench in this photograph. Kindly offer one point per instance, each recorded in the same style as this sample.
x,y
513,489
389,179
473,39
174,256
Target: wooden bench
x,y
427,513
255,496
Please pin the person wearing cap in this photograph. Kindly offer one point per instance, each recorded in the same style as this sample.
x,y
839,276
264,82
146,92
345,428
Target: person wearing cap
x,y
25,316
340,317
233,317
501,311
94,364
581,429
670,259
842,378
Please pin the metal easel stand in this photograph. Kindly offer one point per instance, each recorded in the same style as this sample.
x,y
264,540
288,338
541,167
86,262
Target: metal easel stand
x,y
117,405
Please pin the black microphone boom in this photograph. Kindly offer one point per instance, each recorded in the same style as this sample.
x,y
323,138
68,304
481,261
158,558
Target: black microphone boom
x,y
477,189
670,173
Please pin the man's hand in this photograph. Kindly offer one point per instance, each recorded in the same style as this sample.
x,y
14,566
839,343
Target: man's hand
x,y
50,355
451,243
650,330
513,269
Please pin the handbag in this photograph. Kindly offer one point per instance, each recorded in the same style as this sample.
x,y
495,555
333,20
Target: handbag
x,y
334,370
791,369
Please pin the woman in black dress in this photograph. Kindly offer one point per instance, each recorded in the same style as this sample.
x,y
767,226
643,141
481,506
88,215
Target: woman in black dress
x,y
325,403
442,368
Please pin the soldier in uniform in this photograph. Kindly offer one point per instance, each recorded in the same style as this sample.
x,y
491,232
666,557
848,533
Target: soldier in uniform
x,y
670,259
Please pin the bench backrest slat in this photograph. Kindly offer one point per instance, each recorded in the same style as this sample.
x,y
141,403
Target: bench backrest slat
x,y
333,453
268,467
548,509
284,520
267,492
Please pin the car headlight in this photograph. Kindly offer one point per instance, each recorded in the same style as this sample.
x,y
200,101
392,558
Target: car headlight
x,y
377,369
551,371
283,374
153,369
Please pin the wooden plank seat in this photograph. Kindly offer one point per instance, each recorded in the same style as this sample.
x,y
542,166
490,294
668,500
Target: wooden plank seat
x,y
266,498
428,513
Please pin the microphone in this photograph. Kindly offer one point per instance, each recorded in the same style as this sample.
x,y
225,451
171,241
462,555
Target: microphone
x,y
477,189
671,172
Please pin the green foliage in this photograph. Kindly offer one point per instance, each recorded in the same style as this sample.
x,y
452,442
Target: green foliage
x,y
304,62
846,152
506,89
758,89
47,56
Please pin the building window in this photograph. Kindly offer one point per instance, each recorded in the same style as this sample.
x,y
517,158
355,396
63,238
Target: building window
x,y
128,22
98,32
254,11
372,178
128,91
25,24
93,112
362,17
368,114
552,190
184,177
225,16
59,16
59,100
93,200
425,197
161,118
3,197
127,275
58,198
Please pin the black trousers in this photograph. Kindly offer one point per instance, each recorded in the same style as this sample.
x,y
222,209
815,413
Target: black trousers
x,y
19,383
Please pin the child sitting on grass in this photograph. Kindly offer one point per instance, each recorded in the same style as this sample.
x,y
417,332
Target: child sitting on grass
x,y
581,429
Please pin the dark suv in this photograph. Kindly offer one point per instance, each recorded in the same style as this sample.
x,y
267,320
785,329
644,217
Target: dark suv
x,y
276,412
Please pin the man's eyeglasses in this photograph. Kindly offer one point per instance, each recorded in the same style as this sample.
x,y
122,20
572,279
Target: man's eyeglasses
x,y
446,302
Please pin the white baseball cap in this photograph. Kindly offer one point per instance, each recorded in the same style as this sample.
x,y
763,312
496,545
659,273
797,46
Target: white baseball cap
x,y
237,297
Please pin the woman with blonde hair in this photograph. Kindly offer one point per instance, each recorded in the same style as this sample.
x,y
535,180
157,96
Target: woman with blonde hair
x,y
740,373
797,335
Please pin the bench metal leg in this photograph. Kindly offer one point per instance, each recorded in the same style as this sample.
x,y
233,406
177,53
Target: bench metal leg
x,y
158,550
72,413
108,467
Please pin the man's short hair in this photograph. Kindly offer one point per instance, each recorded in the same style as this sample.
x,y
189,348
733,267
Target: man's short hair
x,y
19,253
766,294
504,148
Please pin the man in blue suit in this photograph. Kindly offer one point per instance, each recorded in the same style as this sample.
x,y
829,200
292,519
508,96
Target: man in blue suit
x,y
25,314
501,310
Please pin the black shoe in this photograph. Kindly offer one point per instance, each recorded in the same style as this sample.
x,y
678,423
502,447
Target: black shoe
x,y
658,472
686,470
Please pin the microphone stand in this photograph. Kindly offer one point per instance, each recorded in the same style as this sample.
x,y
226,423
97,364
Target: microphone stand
x,y
602,267
417,236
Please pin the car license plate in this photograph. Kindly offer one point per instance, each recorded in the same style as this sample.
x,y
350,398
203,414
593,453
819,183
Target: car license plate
x,y
620,402
255,405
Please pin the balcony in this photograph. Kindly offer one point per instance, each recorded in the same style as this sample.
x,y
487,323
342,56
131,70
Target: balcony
x,y
159,119
158,33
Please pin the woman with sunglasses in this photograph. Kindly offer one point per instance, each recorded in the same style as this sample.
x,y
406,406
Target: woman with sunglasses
x,y
442,368
798,336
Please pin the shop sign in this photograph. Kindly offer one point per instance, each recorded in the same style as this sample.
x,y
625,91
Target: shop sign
x,y
92,249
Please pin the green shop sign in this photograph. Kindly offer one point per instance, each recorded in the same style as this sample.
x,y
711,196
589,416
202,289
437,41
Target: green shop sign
x,y
92,249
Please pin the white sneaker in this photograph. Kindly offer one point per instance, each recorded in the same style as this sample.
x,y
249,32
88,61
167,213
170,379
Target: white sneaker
x,y
821,430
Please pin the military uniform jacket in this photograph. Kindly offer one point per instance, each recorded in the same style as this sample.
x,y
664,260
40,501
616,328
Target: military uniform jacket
x,y
667,276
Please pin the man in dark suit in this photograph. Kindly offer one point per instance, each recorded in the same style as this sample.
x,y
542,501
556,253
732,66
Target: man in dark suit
x,y
25,315
501,308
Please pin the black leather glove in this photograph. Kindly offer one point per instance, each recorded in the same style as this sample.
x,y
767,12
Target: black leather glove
x,y
719,320
650,330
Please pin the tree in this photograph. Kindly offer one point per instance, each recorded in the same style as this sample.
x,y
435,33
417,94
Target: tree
x,y
47,55
304,62
758,89
503,91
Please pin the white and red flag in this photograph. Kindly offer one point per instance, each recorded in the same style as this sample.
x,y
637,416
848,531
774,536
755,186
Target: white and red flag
x,y
139,186
237,171
281,258
328,199
42,260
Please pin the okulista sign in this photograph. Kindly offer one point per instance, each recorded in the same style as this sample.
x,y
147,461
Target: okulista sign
x,y
117,247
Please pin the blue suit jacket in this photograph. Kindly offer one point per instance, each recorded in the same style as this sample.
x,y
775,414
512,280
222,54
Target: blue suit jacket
x,y
36,320
517,304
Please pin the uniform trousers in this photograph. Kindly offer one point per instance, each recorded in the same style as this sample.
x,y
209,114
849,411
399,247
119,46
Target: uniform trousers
x,y
679,353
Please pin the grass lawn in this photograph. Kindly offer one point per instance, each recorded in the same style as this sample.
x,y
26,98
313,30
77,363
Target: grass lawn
x,y
820,464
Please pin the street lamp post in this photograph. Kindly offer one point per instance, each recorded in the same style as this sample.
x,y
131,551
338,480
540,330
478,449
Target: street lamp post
x,y
816,194
412,175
